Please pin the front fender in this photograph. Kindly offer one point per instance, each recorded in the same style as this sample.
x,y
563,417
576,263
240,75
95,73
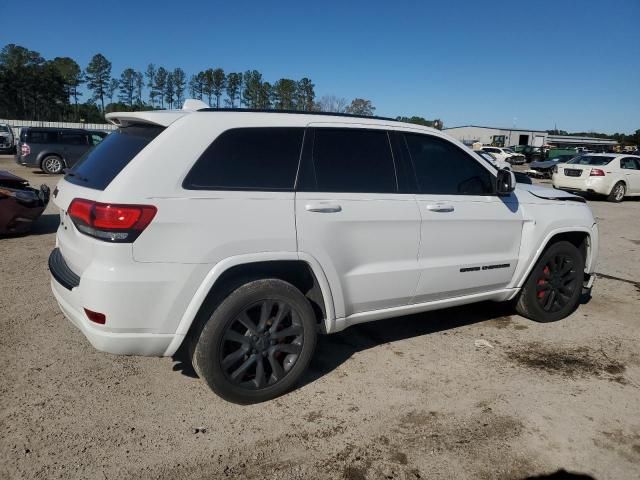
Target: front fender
x,y
521,275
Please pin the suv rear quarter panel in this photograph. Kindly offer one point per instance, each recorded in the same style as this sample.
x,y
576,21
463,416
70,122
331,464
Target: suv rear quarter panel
x,y
200,226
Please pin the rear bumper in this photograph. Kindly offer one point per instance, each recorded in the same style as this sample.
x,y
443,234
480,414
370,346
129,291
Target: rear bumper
x,y
599,185
143,303
118,343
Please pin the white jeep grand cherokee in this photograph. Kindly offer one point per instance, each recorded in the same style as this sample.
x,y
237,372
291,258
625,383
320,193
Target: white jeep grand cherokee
x,y
241,235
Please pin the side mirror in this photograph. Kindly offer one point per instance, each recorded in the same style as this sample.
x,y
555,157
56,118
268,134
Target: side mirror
x,y
505,182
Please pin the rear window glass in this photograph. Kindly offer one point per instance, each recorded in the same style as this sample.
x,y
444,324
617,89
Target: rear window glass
x,y
248,159
101,164
42,136
590,160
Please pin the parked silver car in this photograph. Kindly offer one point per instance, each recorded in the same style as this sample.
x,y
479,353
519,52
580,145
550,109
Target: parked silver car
x,y
7,141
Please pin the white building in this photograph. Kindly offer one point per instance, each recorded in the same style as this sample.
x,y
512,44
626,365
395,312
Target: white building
x,y
500,137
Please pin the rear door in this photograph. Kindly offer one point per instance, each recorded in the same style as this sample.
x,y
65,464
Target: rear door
x,y
73,145
353,219
630,167
470,237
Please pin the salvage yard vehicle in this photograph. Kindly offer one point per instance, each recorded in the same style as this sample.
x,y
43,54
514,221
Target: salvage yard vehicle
x,y
505,154
54,149
7,141
614,175
259,230
20,204
544,168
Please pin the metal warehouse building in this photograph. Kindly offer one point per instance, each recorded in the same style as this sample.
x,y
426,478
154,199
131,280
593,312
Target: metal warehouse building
x,y
501,137
508,137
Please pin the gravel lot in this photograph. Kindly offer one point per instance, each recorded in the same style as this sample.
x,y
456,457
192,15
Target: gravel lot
x,y
407,398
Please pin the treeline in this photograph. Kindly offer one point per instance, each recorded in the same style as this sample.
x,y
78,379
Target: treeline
x,y
621,138
33,88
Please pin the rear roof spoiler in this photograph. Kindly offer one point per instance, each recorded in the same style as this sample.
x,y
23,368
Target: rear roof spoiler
x,y
163,118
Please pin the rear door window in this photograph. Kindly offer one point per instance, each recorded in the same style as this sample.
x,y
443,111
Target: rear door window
x,y
73,138
42,136
353,160
262,158
101,164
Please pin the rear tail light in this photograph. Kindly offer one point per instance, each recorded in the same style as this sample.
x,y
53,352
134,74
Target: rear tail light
x,y
96,317
110,222
25,150
596,172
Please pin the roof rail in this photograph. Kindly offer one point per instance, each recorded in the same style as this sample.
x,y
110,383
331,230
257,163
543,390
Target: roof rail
x,y
298,112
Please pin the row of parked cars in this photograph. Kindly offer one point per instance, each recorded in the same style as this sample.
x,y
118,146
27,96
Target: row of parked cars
x,y
50,149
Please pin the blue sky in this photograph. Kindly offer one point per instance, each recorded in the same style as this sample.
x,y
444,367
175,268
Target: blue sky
x,y
534,64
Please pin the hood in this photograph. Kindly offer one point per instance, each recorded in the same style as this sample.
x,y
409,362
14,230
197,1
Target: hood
x,y
6,175
544,163
550,193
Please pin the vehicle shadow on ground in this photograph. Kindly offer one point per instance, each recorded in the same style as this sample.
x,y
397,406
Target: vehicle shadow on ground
x,y
333,350
561,475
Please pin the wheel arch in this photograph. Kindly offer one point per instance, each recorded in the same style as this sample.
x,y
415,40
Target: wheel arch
x,y
581,237
48,153
225,276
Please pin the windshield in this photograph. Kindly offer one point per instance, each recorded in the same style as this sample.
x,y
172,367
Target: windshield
x,y
508,150
591,160
4,128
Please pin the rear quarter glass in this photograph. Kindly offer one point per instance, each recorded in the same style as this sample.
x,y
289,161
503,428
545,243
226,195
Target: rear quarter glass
x,y
100,165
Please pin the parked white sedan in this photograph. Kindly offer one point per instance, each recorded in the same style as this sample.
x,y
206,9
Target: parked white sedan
x,y
614,175
505,154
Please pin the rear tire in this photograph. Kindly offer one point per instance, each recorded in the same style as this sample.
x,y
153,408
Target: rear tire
x,y
618,192
52,164
257,343
552,291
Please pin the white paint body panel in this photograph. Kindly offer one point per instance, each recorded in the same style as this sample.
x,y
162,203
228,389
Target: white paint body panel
x,y
381,255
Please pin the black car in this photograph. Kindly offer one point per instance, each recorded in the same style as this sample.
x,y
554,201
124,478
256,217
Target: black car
x,y
54,149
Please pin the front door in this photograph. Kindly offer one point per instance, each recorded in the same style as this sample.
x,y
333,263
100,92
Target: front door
x,y
352,220
630,168
470,237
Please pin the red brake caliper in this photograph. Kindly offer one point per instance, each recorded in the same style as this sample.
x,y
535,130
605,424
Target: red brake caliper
x,y
542,281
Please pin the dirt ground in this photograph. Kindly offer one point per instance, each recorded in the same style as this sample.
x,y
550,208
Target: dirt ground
x,y
464,393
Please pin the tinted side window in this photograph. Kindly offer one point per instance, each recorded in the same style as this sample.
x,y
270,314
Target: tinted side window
x,y
629,164
42,136
73,138
101,164
248,159
443,168
353,160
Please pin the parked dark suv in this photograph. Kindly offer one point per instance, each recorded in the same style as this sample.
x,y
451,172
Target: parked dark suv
x,y
54,149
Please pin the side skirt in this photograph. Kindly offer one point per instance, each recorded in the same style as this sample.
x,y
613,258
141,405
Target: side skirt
x,y
362,317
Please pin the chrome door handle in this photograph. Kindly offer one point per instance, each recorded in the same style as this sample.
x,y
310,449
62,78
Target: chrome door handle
x,y
440,207
323,207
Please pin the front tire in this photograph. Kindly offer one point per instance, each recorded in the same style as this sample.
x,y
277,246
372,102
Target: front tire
x,y
257,343
52,164
552,291
618,192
